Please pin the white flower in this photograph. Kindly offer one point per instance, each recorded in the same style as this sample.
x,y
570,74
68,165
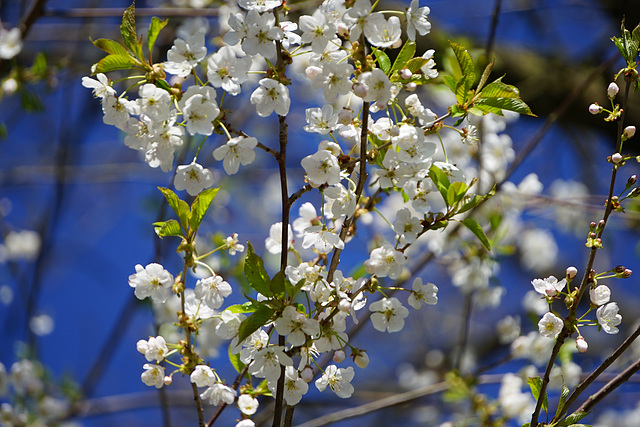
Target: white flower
x,y
383,33
388,315
296,326
261,32
154,102
100,87
385,261
271,96
246,423
600,295
317,30
294,386
508,329
308,218
152,280
549,287
212,290
226,70
340,201
550,325
237,151
321,168
248,405
323,240
22,244
321,120
200,113
417,20
232,245
427,293
260,6
339,380
229,325
378,86
10,42
609,318
154,349
407,226
203,376
335,80
273,243
193,177
218,392
267,362
153,375
185,55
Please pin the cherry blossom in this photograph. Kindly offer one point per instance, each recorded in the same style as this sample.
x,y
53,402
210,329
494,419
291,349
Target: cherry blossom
x,y
151,281
609,318
422,293
388,315
153,375
550,325
417,20
237,151
193,177
271,96
154,349
212,290
338,380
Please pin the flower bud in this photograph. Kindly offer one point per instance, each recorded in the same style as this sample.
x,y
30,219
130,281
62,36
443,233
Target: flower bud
x,y
406,73
595,108
397,44
361,359
359,90
571,272
616,158
339,356
612,90
629,131
345,116
410,87
581,344
394,131
626,273
307,374
344,305
312,72
9,86
343,30
168,380
632,180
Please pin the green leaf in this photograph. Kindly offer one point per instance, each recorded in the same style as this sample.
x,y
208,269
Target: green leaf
x,y
572,419
406,53
256,274
200,206
535,384
508,104
110,46
563,399
128,29
450,82
456,192
114,62
154,29
180,207
237,363
466,65
485,75
277,284
481,110
415,64
39,67
247,307
3,130
258,319
440,180
30,101
475,228
498,89
383,61
162,84
167,228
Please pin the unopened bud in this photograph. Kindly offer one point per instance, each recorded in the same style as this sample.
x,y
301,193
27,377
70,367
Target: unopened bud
x,y
359,90
9,86
397,44
361,359
581,344
339,356
619,269
626,273
410,87
406,73
344,305
629,131
571,272
394,131
616,158
307,374
312,71
345,116
612,90
168,380
343,30
595,108
632,180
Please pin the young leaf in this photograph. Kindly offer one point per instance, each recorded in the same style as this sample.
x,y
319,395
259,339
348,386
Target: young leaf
x,y
406,53
485,75
167,228
247,307
110,46
450,82
572,419
466,65
114,62
256,274
535,384
509,104
563,399
383,61
154,29
440,180
180,207
235,360
200,206
456,192
475,228
414,64
277,284
498,89
258,319
128,28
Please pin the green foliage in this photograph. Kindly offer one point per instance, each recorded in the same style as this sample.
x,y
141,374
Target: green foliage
x,y
114,62
406,53
256,274
475,228
277,285
258,319
440,179
535,384
628,44
167,228
383,61
180,207
110,46
154,29
200,206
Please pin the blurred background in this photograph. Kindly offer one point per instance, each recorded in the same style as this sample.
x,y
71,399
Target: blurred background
x,y
76,208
